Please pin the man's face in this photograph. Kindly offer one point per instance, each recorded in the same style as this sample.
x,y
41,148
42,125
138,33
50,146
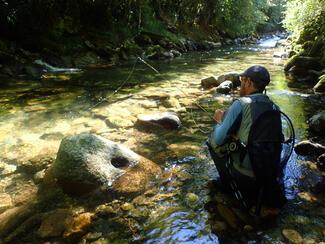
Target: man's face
x,y
243,85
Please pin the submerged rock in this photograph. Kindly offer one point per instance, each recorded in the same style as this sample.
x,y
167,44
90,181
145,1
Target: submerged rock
x,y
64,222
54,223
78,225
165,120
228,215
6,202
225,87
317,123
292,236
213,81
309,148
219,227
86,162
232,76
13,217
192,199
210,82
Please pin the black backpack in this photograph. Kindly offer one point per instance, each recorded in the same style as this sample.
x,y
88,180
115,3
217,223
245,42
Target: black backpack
x,y
265,143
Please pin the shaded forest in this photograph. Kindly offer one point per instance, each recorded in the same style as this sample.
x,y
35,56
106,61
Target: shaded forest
x,y
116,30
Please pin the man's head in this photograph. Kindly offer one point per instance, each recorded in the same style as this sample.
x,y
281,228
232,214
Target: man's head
x,y
254,79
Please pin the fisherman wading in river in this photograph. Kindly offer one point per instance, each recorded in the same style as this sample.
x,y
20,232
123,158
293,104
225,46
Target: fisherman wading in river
x,y
246,144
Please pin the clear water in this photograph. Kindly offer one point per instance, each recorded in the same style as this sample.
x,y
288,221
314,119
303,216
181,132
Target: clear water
x,y
36,115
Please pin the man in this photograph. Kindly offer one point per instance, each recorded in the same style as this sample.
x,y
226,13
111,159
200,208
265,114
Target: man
x,y
253,178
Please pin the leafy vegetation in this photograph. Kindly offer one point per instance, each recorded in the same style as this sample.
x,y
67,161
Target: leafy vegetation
x,y
126,18
306,20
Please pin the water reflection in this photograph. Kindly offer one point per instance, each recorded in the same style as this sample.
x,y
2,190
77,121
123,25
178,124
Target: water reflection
x,y
181,227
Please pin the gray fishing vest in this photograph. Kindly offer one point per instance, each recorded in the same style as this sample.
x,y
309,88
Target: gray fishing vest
x,y
252,106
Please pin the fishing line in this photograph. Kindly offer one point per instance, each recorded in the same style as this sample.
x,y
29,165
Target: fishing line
x,y
196,103
157,72
119,88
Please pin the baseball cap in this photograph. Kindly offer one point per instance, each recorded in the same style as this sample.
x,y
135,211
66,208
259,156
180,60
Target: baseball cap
x,y
258,74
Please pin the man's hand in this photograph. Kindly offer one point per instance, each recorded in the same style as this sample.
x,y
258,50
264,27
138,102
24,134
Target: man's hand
x,y
218,115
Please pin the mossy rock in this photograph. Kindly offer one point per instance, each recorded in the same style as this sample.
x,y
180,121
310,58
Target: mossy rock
x,y
305,62
290,63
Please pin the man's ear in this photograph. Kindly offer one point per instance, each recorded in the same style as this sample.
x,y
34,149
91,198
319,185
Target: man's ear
x,y
250,82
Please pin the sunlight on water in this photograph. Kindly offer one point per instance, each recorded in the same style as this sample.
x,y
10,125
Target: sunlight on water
x,y
36,115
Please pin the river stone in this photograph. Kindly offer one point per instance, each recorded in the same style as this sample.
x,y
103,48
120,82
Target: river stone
x,y
225,87
292,236
87,161
172,103
317,123
5,202
210,82
52,136
137,178
309,148
78,225
219,227
127,206
35,164
54,223
192,199
166,120
228,215
232,76
39,176
24,192
7,169
304,62
26,227
13,217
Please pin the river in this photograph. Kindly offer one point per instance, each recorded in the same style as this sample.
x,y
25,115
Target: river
x,y
36,115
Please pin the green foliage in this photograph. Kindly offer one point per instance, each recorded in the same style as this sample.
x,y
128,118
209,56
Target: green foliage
x,y
306,19
123,19
303,13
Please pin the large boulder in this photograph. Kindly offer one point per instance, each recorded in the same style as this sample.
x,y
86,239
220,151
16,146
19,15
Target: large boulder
x,y
317,123
303,62
86,162
232,76
309,148
213,81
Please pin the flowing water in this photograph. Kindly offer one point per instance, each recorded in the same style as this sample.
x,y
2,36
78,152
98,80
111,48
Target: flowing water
x,y
36,115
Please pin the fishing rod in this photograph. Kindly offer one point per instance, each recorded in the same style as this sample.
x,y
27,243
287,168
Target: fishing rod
x,y
119,88
157,72
170,84
195,102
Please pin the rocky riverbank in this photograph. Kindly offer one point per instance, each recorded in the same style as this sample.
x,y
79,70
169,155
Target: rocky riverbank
x,y
22,61
306,66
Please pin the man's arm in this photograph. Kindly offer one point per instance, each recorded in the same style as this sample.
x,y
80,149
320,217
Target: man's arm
x,y
229,125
